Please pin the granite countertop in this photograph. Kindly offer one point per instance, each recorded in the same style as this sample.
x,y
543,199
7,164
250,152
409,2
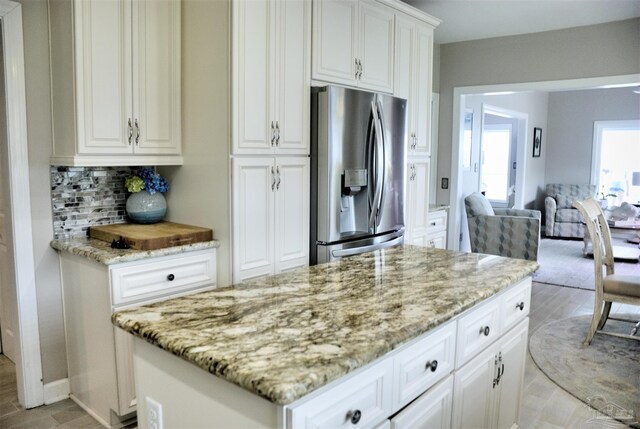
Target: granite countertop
x,y
283,336
101,251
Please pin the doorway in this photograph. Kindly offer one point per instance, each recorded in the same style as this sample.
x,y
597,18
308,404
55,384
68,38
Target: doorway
x,y
17,225
498,158
459,175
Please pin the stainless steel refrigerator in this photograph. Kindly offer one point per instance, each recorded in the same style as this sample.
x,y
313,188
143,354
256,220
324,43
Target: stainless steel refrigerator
x,y
357,172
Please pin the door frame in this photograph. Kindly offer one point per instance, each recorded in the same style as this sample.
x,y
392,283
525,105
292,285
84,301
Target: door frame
x,y
522,120
28,359
456,199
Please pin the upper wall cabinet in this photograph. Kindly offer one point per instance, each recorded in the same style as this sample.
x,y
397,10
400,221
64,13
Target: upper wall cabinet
x,y
353,43
413,75
115,68
271,75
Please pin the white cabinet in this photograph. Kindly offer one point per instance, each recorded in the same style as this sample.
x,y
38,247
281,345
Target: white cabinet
x,y
437,229
417,206
413,76
353,43
489,387
430,411
99,355
271,74
116,85
271,215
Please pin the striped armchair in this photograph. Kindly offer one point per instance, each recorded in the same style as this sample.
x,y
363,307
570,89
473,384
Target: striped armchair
x,y
505,232
561,218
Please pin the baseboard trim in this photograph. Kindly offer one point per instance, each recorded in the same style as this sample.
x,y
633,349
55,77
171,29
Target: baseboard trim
x,y
56,391
89,411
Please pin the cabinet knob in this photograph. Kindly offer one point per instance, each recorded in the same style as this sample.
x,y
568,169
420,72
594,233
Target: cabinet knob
x,y
484,330
354,416
432,365
171,277
520,305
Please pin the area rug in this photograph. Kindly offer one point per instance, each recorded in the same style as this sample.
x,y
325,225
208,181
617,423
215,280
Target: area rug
x,y
604,375
562,263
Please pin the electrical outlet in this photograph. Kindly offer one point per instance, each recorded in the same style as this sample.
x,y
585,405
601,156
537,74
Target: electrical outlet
x,y
445,183
154,414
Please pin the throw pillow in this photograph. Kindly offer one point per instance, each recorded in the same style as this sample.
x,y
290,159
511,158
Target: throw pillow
x,y
564,201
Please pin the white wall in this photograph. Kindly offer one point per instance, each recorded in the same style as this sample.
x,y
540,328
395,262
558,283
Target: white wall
x,y
570,134
199,193
593,51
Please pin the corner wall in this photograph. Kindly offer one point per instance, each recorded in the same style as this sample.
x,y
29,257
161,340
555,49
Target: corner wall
x,y
199,192
39,134
592,51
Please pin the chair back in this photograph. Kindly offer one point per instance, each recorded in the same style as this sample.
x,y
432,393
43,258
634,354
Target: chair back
x,y
600,237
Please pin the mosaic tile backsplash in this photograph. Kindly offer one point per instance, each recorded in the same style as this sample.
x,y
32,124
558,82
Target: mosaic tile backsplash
x,y
86,196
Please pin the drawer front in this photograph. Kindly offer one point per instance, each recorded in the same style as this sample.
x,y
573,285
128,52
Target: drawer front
x,y
133,283
515,304
367,395
437,240
437,221
423,364
477,330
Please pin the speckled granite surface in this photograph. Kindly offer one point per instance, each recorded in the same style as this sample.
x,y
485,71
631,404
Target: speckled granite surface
x,y
286,335
102,252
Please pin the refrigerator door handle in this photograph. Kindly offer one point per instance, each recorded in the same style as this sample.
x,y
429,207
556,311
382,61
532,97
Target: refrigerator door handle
x,y
378,158
357,250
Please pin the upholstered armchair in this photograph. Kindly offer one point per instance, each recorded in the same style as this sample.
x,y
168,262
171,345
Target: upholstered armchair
x,y
561,218
505,232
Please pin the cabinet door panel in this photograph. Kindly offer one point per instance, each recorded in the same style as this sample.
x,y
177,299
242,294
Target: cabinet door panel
x,y
430,411
335,41
253,65
513,352
253,207
293,77
473,384
292,213
376,46
418,199
103,73
405,36
422,92
156,76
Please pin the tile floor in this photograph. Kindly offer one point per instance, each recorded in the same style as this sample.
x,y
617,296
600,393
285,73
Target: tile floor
x,y
544,405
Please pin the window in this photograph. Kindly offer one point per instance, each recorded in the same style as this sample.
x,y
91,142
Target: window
x,y
616,160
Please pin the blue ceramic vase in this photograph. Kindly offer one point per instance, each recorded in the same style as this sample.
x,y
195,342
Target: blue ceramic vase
x,y
143,207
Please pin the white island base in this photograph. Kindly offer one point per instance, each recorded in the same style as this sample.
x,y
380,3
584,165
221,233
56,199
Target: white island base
x,y
478,381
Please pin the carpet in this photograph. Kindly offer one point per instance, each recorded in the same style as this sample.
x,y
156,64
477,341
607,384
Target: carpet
x,y
562,263
604,375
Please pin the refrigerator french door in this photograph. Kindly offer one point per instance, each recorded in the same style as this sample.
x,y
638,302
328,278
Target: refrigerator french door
x,y
357,172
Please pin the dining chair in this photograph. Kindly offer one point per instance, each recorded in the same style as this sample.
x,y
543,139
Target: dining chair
x,y
609,287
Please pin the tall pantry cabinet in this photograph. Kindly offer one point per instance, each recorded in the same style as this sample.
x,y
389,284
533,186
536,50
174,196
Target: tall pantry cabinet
x,y
270,142
413,78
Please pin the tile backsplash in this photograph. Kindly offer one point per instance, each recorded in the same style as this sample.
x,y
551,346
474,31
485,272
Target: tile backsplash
x,y
86,196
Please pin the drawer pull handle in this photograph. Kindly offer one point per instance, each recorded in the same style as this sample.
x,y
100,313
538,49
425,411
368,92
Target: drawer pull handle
x,y
433,224
432,365
171,277
354,416
520,306
484,330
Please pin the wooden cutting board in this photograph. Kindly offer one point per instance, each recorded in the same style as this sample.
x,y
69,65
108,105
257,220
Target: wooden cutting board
x,y
150,237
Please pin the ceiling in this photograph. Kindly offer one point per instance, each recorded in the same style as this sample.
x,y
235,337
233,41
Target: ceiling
x,y
480,19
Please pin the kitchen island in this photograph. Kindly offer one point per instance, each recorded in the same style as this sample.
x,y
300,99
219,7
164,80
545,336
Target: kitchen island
x,y
297,349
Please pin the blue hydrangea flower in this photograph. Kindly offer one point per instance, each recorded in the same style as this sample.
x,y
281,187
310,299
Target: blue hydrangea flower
x,y
153,182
